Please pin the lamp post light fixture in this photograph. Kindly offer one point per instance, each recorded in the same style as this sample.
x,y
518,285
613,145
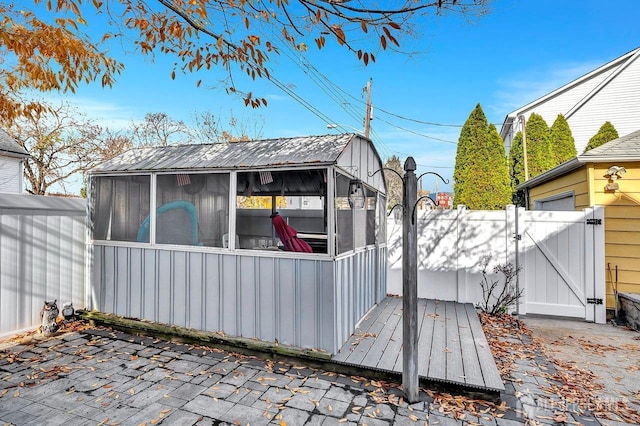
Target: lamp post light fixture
x,y
356,194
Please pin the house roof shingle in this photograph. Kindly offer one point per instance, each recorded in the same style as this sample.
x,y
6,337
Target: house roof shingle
x,y
10,147
626,147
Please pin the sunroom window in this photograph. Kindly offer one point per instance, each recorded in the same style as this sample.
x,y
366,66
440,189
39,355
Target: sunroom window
x,y
298,196
120,205
192,209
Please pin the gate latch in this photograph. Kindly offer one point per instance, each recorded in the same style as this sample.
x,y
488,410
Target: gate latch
x,y
594,221
594,301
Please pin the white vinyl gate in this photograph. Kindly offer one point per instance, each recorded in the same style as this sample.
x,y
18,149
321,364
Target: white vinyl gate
x,y
562,258
560,253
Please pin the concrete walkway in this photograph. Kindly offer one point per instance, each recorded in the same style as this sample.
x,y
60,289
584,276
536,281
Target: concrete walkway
x,y
611,354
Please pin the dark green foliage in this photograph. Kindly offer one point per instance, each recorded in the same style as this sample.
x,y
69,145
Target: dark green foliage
x,y
540,158
516,169
562,143
606,133
481,175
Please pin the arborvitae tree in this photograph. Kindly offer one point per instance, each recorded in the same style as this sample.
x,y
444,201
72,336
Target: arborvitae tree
x,y
481,174
539,156
563,145
606,133
516,169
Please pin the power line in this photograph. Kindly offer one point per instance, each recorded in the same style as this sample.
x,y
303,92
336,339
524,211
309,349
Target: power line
x,y
418,133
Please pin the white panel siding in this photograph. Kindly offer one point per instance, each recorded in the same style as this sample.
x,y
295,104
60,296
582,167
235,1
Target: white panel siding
x,y
360,159
617,102
42,257
309,303
586,105
10,174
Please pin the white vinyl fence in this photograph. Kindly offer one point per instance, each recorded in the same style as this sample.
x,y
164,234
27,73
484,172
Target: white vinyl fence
x,y
561,256
42,257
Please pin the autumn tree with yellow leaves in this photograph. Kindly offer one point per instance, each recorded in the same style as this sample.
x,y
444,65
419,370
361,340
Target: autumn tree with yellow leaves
x,y
44,44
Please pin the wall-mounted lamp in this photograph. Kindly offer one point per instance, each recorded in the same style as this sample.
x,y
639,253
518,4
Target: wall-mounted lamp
x,y
356,194
614,173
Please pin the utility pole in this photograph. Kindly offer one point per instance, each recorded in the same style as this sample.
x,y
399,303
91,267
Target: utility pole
x,y
369,111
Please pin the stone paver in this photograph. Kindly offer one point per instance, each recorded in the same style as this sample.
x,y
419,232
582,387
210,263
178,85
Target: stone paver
x,y
116,378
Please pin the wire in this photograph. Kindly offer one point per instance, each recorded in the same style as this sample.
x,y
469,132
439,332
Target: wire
x,y
417,133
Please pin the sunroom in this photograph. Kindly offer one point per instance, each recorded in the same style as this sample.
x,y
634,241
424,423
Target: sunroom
x,y
196,236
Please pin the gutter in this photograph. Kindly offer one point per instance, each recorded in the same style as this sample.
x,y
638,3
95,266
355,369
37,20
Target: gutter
x,y
14,154
560,170
572,165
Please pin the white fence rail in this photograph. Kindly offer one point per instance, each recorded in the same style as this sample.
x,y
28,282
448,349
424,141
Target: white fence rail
x,y
561,256
42,257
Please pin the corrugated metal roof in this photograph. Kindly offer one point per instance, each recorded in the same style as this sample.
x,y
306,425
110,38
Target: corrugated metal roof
x,y
9,145
253,154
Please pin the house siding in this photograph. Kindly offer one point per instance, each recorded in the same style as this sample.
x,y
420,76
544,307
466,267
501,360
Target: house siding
x,y
574,181
618,102
10,174
609,93
622,228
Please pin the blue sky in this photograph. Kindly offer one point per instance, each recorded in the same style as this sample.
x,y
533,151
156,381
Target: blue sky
x,y
516,53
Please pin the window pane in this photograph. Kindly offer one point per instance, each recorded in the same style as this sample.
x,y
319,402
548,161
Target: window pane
x,y
381,221
344,215
299,198
371,209
192,209
120,206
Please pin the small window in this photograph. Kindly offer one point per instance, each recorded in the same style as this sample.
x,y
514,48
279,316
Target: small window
x,y
192,209
381,220
299,197
344,215
120,205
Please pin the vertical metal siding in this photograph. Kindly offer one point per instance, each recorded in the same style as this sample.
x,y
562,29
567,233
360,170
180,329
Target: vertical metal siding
x,y
357,289
42,257
288,299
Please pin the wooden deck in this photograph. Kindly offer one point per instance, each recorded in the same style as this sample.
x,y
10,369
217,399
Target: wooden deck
x,y
452,347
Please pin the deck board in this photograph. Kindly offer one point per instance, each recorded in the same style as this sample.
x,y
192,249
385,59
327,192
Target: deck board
x,y
452,347
471,363
378,350
360,342
455,370
438,362
487,363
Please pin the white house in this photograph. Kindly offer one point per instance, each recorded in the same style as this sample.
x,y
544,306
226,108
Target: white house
x,y
609,93
11,170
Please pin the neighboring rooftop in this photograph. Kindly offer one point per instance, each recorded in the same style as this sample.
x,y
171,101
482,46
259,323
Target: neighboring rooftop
x,y
625,148
8,146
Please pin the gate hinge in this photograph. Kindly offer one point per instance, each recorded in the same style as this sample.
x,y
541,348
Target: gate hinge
x,y
594,221
594,301
517,237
